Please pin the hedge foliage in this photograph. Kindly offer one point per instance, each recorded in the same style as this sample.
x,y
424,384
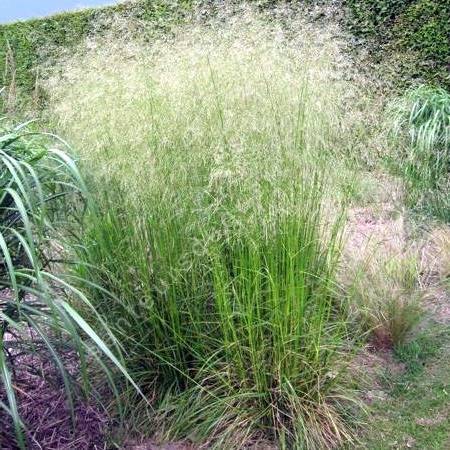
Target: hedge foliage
x,y
24,43
413,35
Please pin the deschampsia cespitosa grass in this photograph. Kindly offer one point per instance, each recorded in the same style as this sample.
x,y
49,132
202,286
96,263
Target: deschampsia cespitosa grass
x,y
210,155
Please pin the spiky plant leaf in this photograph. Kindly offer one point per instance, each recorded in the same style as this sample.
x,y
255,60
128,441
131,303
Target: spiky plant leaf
x,y
41,193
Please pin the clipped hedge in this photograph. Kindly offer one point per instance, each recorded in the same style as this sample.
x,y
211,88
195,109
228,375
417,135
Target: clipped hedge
x,y
24,43
410,37
413,36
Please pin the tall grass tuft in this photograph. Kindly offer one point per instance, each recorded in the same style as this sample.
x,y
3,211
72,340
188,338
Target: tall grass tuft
x,y
385,296
422,117
209,157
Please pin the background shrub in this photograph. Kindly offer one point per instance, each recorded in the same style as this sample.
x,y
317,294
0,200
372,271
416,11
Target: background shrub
x,y
410,36
26,44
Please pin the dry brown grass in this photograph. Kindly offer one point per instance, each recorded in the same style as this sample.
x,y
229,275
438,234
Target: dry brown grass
x,y
381,273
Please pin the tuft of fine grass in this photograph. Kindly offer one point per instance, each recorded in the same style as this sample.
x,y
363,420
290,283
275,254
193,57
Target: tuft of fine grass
x,y
385,294
422,118
209,156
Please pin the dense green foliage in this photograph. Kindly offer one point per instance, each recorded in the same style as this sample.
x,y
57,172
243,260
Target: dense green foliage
x,y
40,192
23,45
411,35
422,117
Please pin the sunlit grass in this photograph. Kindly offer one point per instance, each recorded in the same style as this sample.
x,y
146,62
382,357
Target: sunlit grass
x,y
218,230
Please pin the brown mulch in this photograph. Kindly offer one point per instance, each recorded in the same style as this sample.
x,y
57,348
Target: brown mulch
x,y
150,445
43,404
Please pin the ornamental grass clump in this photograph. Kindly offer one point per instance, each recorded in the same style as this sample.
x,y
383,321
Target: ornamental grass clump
x,y
209,157
421,118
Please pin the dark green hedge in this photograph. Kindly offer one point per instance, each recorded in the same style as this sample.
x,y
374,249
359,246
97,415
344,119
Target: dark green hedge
x,y
412,37
22,43
418,30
